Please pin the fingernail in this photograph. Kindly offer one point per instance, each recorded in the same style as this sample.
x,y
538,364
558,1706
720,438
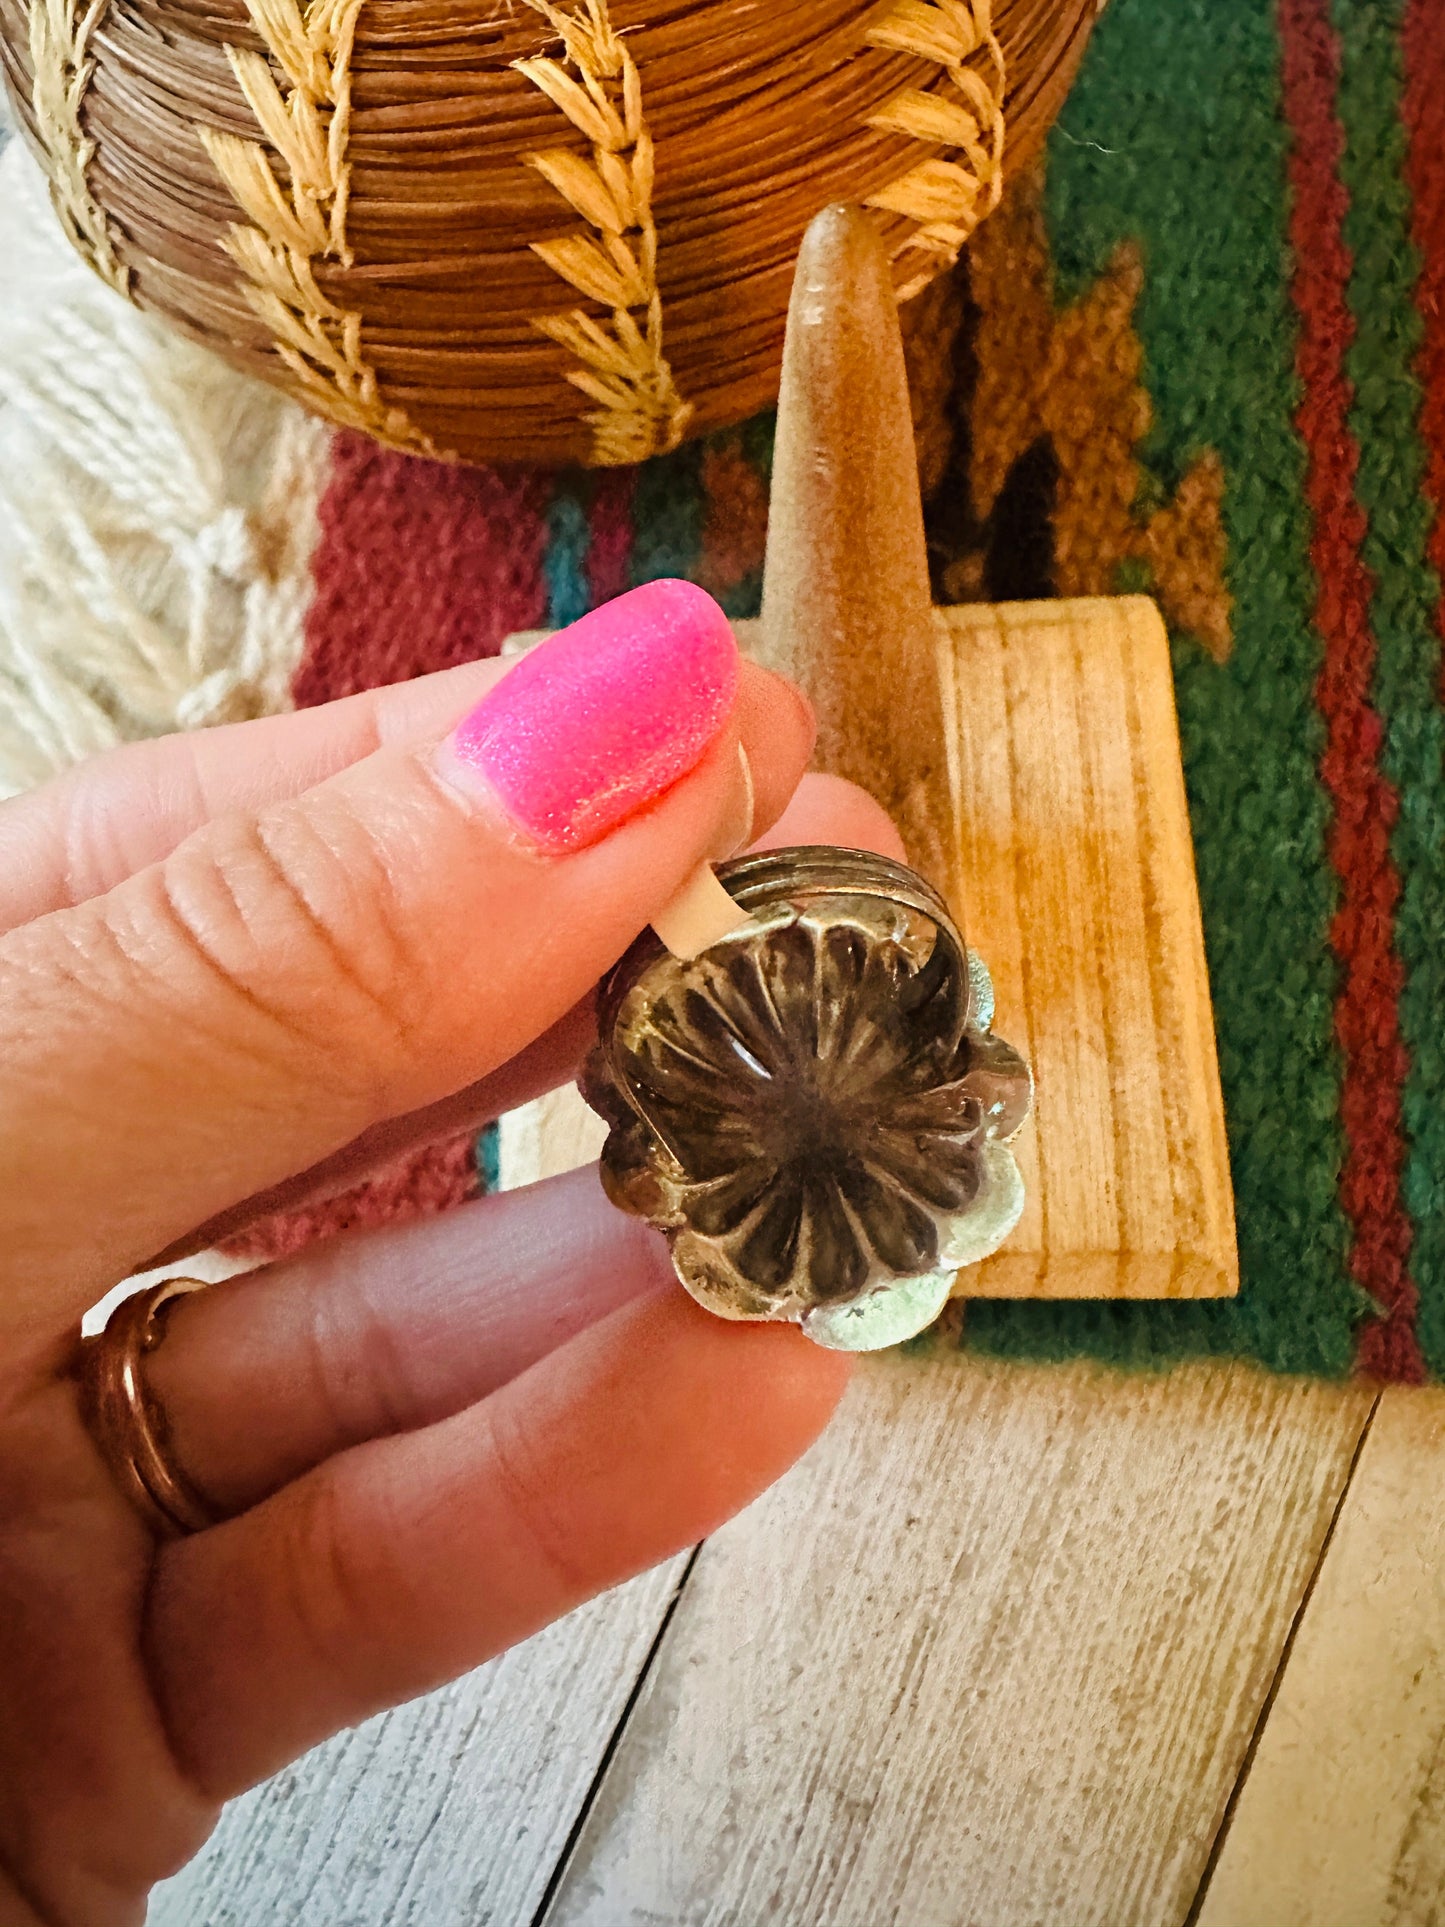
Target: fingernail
x,y
603,717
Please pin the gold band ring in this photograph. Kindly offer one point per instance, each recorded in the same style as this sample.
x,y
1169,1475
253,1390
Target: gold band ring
x,y
128,1423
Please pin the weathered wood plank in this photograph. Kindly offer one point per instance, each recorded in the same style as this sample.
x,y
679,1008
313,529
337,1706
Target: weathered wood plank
x,y
1341,1821
992,1654
1077,884
450,1812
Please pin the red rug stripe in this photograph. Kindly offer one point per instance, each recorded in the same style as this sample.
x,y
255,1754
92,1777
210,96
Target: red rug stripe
x,y
1365,804
610,534
432,1179
419,566
735,525
1423,111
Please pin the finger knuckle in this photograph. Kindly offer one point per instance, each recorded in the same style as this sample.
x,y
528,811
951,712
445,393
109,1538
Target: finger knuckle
x,y
527,1484
356,1368
341,1589
295,927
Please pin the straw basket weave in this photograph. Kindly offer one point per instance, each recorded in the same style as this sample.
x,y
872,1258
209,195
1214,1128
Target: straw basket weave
x,y
511,230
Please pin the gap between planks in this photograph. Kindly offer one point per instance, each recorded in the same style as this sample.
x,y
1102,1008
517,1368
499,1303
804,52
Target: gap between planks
x,y
585,1808
993,1653
1237,1790
1341,1819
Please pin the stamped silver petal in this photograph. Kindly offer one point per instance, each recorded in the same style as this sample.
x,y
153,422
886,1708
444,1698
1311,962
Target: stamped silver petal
x,y
720,1207
1001,1081
939,1168
804,1108
975,1234
980,984
884,1317
635,1179
716,1286
765,1249
901,1232
837,1264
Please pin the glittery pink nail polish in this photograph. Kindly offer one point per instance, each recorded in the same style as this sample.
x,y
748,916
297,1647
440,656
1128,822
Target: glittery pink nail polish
x,y
602,717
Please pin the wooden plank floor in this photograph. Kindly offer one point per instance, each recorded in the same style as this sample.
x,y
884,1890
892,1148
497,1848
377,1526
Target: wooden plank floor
x,y
453,1809
993,1654
1340,1821
1009,1647
999,1651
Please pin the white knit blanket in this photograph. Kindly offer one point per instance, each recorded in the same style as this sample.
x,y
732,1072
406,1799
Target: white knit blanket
x,y
157,513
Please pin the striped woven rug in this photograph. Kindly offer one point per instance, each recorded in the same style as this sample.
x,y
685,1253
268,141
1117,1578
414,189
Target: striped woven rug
x,y
1201,353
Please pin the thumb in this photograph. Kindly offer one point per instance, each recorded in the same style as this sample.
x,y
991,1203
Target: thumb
x,y
285,979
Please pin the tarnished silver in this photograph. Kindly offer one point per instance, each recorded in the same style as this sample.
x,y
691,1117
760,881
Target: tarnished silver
x,y
815,1110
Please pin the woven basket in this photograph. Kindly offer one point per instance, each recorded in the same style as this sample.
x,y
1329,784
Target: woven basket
x,y
522,231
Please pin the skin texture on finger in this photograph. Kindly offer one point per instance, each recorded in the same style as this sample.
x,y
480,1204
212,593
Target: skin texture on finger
x,y
551,1061
88,829
397,1565
830,809
264,1376
92,827
823,809
282,983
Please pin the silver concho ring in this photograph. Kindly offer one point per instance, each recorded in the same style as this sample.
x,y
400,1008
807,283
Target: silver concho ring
x,y
815,1110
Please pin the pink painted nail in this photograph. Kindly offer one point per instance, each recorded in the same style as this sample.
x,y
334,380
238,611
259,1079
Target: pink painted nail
x,y
604,716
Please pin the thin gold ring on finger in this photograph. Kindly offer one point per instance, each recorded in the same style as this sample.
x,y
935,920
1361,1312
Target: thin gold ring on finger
x,y
128,1422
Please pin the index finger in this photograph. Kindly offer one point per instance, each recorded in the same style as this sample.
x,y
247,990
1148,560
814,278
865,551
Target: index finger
x,y
282,983
824,809
404,1561
87,830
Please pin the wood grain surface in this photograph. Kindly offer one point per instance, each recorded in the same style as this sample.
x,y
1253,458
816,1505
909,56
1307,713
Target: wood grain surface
x,y
450,1812
1076,882
992,1655
1341,1820
847,611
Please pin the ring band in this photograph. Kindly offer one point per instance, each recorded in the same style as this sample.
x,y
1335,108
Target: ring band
x,y
125,1419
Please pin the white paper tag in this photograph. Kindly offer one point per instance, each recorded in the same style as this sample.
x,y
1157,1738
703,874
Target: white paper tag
x,y
700,914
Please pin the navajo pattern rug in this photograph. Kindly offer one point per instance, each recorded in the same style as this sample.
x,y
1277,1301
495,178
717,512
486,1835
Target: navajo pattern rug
x,y
1200,353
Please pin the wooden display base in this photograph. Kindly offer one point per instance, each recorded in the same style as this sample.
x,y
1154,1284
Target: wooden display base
x,y
1076,884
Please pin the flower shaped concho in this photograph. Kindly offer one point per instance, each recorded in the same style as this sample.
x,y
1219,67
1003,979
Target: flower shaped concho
x,y
814,1110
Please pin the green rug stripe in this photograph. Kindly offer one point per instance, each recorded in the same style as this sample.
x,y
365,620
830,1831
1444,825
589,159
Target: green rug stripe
x,y
668,514
1174,136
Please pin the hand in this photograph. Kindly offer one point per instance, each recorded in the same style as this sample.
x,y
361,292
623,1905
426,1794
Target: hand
x,y
279,949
